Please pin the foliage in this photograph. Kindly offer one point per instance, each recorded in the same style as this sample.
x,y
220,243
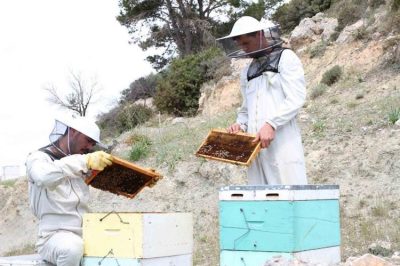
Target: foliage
x,y
133,115
141,88
350,12
179,91
376,3
394,115
122,118
173,143
181,28
332,75
290,14
393,20
80,95
318,127
140,147
318,90
8,183
361,33
395,5
318,50
380,251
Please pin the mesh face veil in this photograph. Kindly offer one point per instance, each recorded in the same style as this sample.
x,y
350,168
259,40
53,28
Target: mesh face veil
x,y
81,124
251,38
59,130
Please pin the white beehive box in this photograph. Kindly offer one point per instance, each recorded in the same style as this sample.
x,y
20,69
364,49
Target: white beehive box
x,y
137,235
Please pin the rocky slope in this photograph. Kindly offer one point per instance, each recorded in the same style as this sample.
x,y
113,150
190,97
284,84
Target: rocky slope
x,y
347,137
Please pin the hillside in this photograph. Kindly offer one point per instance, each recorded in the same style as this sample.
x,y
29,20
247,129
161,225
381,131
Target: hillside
x,y
347,138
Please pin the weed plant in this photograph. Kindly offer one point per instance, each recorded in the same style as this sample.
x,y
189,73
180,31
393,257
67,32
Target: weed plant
x,y
171,144
318,50
140,148
8,183
332,75
318,127
318,90
394,115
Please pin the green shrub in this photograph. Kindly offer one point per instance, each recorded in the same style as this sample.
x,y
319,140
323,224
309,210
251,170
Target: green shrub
x,y
394,115
141,88
332,75
140,148
350,12
318,90
376,3
395,5
361,33
318,50
122,118
290,14
178,91
318,127
335,35
133,115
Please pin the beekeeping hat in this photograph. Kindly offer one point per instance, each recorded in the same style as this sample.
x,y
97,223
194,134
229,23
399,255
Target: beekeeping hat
x,y
84,125
247,25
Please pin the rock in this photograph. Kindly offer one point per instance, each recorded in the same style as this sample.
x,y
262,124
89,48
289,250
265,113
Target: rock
x,y
280,261
367,260
347,34
178,120
379,250
312,29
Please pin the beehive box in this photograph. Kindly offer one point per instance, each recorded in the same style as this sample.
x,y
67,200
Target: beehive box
x,y
23,260
257,222
323,256
123,178
230,148
178,260
137,235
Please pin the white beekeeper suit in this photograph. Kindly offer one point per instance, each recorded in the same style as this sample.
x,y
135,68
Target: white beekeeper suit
x,y
58,194
273,90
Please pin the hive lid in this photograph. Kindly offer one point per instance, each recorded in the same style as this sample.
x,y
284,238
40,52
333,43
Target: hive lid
x,y
230,148
123,178
279,192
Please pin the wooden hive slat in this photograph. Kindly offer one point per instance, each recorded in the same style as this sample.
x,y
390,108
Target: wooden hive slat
x,y
123,178
226,141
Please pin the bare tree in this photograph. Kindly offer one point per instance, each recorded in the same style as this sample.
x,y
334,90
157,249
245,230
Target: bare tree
x,y
78,98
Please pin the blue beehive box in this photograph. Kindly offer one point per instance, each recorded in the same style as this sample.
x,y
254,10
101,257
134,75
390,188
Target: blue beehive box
x,y
298,221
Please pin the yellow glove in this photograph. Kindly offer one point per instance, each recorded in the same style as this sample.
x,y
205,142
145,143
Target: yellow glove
x,y
98,160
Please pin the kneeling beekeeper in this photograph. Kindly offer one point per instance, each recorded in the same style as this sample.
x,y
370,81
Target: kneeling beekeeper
x,y
58,193
273,90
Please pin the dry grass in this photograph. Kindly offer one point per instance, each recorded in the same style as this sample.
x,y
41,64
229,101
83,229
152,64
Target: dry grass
x,y
27,249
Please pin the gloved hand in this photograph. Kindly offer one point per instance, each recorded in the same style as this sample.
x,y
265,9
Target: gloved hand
x,y
98,160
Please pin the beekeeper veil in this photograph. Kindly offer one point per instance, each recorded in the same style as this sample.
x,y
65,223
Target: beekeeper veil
x,y
82,124
264,37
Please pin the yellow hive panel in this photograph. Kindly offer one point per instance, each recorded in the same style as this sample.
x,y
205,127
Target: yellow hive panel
x,y
137,235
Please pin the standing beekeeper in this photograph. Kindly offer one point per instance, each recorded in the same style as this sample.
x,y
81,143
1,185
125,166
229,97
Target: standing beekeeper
x,y
58,193
273,90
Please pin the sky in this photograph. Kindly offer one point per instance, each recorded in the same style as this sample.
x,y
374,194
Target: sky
x,y
41,42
